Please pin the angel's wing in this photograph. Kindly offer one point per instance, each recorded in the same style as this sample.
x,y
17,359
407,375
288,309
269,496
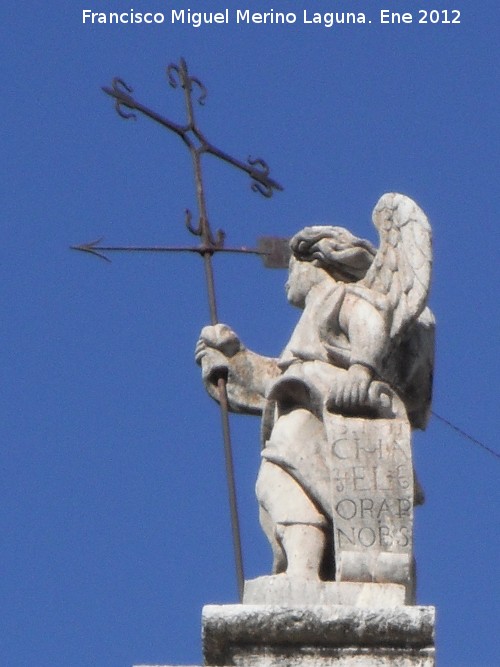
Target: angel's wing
x,y
401,270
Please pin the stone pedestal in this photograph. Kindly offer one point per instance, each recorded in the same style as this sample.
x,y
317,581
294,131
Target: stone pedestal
x,y
318,636
279,590
356,625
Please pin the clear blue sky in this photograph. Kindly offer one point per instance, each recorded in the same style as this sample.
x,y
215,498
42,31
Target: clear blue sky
x,y
113,511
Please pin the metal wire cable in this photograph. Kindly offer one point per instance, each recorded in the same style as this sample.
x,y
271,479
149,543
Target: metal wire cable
x,y
466,435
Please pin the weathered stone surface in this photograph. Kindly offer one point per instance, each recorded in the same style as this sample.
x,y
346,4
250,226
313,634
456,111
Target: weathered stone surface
x,y
372,499
341,658
323,625
336,486
345,658
283,590
317,635
247,635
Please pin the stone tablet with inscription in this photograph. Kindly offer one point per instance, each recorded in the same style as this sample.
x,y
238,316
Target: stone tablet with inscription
x,y
371,498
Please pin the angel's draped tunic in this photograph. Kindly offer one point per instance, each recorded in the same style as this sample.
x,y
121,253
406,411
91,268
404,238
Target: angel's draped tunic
x,y
294,485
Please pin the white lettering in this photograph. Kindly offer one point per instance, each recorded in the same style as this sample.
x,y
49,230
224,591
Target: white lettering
x,y
89,16
328,19
395,17
197,19
244,16
177,15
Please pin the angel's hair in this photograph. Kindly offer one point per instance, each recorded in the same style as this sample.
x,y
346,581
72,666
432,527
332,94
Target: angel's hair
x,y
334,249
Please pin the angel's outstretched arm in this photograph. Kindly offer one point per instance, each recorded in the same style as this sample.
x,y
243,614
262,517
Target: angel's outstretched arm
x,y
219,351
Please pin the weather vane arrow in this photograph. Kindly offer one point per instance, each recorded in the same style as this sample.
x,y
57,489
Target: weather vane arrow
x,y
274,251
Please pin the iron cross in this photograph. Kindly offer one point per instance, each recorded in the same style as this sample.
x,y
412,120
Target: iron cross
x,y
274,251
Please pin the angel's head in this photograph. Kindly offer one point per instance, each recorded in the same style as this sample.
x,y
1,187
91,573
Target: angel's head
x,y
341,254
322,252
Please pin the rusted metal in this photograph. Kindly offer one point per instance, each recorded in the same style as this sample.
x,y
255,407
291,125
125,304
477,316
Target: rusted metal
x,y
272,251
195,140
275,252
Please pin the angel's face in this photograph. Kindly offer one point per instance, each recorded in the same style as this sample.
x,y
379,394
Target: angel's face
x,y
302,277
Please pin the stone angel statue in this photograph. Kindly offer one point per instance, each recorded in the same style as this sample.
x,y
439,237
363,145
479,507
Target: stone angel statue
x,y
336,487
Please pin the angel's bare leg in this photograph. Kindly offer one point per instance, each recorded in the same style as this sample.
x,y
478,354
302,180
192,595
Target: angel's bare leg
x,y
304,545
269,528
292,523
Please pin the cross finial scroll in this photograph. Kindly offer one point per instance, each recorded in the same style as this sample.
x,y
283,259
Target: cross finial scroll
x,y
274,251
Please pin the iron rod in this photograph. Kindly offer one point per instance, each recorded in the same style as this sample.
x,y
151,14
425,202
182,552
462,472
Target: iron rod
x,y
258,171
206,235
200,250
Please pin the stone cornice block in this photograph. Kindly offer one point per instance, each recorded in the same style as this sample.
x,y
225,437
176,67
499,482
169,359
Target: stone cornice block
x,y
233,633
